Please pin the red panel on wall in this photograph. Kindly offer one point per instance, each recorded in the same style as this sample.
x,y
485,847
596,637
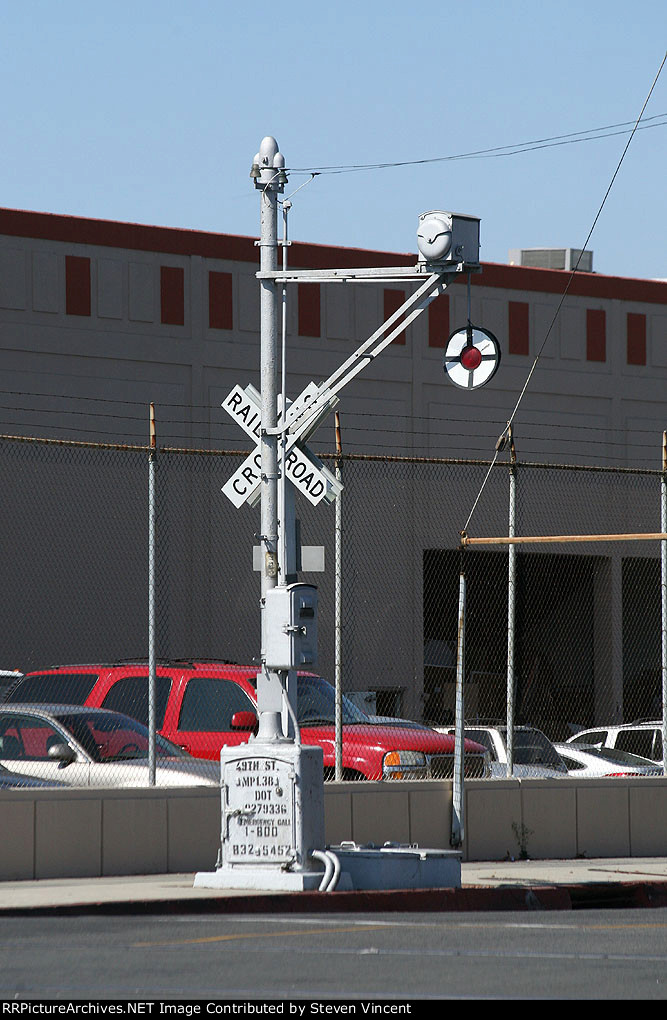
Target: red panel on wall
x,y
77,285
596,334
393,299
172,295
309,309
519,334
220,310
636,338
438,321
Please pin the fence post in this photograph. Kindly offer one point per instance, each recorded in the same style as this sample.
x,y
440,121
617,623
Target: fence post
x,y
663,579
457,785
338,652
152,459
511,607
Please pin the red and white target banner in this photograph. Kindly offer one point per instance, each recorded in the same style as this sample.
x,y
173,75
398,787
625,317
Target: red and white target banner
x,y
471,358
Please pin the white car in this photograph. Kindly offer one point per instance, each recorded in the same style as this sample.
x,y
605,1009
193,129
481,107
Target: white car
x,y
18,781
590,762
643,738
535,757
80,746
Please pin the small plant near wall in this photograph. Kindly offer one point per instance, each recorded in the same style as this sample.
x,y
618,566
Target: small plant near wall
x,y
521,834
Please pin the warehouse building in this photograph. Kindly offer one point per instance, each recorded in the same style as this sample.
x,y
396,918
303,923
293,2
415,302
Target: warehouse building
x,y
100,319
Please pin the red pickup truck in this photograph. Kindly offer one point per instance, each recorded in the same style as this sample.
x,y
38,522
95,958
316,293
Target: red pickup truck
x,y
203,706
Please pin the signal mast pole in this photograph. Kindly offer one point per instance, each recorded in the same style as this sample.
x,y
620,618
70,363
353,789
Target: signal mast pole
x,y
269,176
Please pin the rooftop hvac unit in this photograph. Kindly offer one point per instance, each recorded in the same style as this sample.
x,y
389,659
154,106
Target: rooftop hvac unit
x,y
552,258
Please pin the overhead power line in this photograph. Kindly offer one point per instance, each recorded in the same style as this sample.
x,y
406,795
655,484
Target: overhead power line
x,y
504,434
572,138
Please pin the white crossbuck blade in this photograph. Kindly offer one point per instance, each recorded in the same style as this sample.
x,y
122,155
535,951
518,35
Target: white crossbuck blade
x,y
303,469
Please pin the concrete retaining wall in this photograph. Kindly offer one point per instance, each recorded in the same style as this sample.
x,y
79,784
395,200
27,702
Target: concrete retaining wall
x,y
71,833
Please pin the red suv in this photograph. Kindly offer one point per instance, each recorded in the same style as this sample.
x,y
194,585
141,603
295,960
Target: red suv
x,y
204,705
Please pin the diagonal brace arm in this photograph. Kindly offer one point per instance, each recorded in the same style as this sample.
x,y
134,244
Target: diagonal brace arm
x,y
411,308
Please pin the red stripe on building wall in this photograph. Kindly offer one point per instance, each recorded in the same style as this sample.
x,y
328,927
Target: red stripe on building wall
x,y
636,338
554,281
393,299
518,327
140,237
77,285
309,309
438,321
172,295
596,334
220,309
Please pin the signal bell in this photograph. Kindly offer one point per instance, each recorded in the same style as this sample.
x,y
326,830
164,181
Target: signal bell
x,y
447,238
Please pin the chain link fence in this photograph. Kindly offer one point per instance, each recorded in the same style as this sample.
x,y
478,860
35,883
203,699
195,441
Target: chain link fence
x,y
587,616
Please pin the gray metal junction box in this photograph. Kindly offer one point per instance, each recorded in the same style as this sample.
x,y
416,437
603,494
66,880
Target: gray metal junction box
x,y
290,626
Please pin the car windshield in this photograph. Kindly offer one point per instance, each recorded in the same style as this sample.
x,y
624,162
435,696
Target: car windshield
x,y
613,754
114,737
316,704
484,738
531,747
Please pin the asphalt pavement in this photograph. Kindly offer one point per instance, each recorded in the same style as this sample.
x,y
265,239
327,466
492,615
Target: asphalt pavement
x,y
488,885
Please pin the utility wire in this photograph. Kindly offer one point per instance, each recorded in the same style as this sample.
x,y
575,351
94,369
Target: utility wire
x,y
421,425
573,137
371,433
428,420
502,439
372,451
527,438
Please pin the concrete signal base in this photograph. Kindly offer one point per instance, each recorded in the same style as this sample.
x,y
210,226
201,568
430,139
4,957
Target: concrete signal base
x,y
269,878
272,818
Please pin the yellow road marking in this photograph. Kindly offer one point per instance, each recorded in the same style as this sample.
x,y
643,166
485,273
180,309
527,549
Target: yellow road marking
x,y
377,927
258,935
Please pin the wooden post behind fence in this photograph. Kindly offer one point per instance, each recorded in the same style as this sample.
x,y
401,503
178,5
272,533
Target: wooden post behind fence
x,y
657,536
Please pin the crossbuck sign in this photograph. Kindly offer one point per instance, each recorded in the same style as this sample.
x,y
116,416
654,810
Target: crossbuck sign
x,y
307,474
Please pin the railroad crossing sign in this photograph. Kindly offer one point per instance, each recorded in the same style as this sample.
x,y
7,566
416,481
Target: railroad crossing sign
x,y
304,470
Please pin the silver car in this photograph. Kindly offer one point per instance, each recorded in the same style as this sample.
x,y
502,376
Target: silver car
x,y
74,745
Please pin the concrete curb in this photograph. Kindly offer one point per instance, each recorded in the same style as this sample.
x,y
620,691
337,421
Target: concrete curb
x,y
586,896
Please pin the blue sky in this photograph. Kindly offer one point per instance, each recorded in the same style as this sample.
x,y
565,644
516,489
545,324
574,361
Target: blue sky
x,y
151,112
